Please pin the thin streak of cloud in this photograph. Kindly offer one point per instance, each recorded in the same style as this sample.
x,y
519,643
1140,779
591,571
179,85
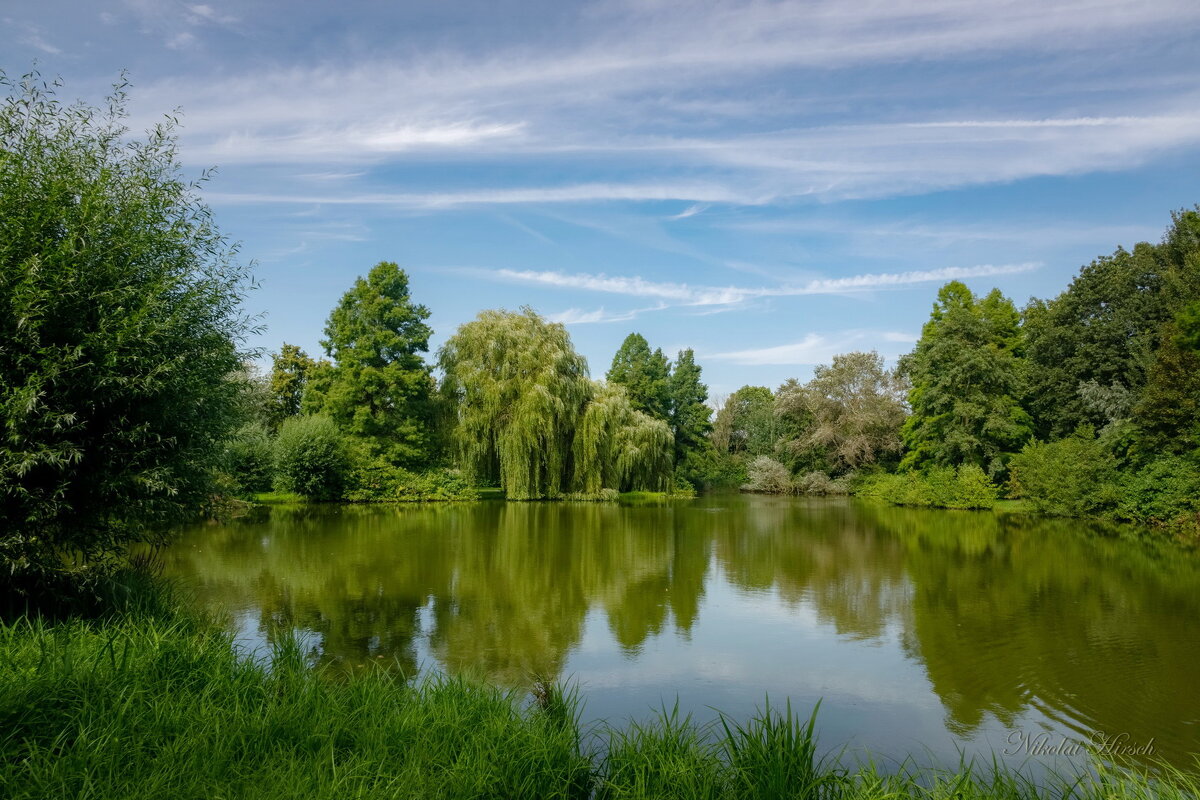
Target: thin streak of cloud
x,y
816,348
576,316
683,294
577,193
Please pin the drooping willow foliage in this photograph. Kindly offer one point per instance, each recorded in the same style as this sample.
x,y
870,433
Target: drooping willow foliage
x,y
516,385
619,447
528,416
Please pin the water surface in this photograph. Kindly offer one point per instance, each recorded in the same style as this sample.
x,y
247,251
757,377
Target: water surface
x,y
921,632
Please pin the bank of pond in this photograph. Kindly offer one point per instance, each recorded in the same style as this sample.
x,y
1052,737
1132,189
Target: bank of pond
x,y
161,704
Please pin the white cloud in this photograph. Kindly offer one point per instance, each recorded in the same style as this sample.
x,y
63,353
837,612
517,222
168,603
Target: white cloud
x,y
576,193
683,294
816,348
575,316
601,94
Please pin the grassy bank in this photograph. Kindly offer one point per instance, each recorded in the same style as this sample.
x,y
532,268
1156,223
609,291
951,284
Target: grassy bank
x,y
161,706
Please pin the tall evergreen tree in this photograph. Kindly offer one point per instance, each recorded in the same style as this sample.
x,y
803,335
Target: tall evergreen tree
x,y
644,374
378,388
687,413
966,379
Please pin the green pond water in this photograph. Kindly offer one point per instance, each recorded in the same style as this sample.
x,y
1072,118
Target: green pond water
x,y
924,633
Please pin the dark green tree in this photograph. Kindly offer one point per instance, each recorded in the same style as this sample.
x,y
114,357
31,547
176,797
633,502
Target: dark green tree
x,y
644,374
966,379
291,368
688,415
120,330
378,388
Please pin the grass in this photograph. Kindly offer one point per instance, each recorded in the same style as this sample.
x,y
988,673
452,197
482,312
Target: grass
x,y
279,498
157,703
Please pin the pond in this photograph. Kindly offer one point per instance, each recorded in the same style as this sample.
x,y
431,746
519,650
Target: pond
x,y
924,633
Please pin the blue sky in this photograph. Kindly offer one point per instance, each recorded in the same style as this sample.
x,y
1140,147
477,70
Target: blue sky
x,y
769,183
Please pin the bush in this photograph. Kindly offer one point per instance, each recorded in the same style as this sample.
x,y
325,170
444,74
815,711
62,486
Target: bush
x,y
311,458
938,487
818,483
767,475
374,480
1075,476
1165,492
249,460
119,321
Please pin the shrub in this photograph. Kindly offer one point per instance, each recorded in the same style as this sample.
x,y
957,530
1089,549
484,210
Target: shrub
x,y
311,458
1075,476
120,324
374,480
1166,491
938,487
249,459
818,483
767,475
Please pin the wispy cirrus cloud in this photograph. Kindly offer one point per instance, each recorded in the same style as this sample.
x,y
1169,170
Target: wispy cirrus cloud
x,y
576,316
817,348
688,295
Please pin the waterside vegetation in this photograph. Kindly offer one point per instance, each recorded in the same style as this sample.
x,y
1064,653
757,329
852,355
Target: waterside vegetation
x,y
155,703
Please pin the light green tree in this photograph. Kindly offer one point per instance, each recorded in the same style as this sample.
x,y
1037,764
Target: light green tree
x,y
527,416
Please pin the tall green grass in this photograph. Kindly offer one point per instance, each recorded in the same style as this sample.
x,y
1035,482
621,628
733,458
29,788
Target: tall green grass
x,y
160,705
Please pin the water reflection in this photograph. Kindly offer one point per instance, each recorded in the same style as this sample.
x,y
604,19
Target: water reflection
x,y
1010,621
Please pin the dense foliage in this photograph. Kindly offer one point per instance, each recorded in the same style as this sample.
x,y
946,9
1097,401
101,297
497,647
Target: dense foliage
x,y
528,417
312,458
849,414
644,374
119,333
378,388
966,384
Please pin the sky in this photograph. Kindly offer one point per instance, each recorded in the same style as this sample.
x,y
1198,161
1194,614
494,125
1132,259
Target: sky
x,y
768,183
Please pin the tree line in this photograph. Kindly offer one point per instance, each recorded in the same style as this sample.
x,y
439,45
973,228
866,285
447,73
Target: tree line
x,y
128,404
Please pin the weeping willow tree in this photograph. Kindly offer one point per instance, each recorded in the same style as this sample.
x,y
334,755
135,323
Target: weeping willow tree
x,y
517,386
619,447
527,416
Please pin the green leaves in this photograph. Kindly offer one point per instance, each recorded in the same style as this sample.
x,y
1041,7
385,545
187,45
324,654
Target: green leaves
x,y
120,325
966,381
379,388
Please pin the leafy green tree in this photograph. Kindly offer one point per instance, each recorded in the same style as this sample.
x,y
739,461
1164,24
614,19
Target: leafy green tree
x,y
120,331
853,407
378,388
291,368
644,374
615,446
517,386
527,416
746,425
688,415
1122,324
966,378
